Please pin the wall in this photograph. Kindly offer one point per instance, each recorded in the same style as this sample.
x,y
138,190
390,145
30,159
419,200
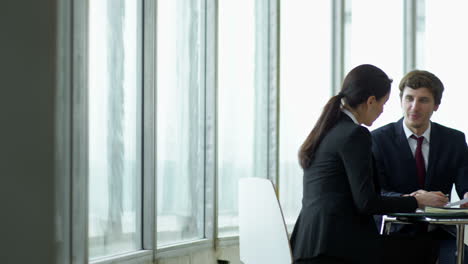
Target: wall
x,y
27,88
206,256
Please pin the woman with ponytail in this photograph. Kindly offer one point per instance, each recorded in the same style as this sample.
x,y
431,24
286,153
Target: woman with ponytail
x,y
340,194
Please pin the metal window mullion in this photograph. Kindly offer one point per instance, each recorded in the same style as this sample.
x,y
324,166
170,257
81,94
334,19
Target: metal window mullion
x,y
273,89
338,36
409,38
149,127
210,78
63,133
79,167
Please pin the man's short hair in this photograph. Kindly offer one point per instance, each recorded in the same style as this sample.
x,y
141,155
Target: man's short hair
x,y
418,79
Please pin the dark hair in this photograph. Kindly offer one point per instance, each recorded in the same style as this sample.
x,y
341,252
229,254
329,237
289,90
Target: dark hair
x,y
359,84
418,79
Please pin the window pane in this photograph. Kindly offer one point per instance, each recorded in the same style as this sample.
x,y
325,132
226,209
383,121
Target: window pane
x,y
242,102
180,123
444,53
304,89
114,127
377,38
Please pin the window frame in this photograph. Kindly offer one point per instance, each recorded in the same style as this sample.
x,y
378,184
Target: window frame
x,y
63,116
73,124
79,136
270,86
208,85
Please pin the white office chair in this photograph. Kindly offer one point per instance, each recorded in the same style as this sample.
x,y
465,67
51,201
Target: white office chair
x,y
263,237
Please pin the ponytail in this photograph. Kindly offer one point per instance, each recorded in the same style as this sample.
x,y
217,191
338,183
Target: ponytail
x,y
329,117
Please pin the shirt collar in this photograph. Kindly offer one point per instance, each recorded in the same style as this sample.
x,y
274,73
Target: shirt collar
x,y
348,113
426,134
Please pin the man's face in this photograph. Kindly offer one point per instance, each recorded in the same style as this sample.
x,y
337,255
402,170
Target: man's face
x,y
418,106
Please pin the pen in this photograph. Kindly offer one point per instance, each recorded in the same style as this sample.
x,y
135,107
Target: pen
x,y
448,198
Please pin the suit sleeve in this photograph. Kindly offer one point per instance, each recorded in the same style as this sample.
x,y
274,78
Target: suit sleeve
x,y
461,180
380,167
356,155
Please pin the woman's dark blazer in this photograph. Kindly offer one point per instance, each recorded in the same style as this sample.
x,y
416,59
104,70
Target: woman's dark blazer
x,y
339,198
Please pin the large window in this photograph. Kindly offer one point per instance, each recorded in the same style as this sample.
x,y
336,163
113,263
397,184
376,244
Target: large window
x,y
242,102
173,130
180,122
444,53
305,87
115,127
376,37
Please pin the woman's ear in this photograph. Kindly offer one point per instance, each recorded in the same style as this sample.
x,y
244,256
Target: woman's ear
x,y
371,100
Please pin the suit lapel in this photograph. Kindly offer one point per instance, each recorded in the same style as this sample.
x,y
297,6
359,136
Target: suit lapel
x,y
407,158
402,142
434,146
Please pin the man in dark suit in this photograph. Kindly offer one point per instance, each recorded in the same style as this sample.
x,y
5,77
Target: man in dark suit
x,y
415,155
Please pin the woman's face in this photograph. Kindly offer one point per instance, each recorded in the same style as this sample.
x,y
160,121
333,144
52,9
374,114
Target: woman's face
x,y
375,108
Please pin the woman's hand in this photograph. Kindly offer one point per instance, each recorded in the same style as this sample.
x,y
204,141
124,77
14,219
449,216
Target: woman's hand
x,y
417,192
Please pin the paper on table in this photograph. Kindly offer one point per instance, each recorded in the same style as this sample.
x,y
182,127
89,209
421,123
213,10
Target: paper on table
x,y
445,210
457,203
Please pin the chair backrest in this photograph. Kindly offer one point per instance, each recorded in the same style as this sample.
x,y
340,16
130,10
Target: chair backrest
x,y
263,236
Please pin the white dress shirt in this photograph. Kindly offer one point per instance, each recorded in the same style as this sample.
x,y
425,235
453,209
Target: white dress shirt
x,y
348,113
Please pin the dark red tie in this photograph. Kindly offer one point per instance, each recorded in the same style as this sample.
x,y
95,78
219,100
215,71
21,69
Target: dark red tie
x,y
420,167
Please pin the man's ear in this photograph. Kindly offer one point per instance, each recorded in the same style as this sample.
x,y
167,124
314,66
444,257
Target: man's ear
x,y
436,107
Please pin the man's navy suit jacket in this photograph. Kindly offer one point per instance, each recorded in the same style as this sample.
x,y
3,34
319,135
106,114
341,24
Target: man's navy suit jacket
x,y
448,160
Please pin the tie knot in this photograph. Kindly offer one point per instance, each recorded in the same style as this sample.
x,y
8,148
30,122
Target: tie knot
x,y
419,139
